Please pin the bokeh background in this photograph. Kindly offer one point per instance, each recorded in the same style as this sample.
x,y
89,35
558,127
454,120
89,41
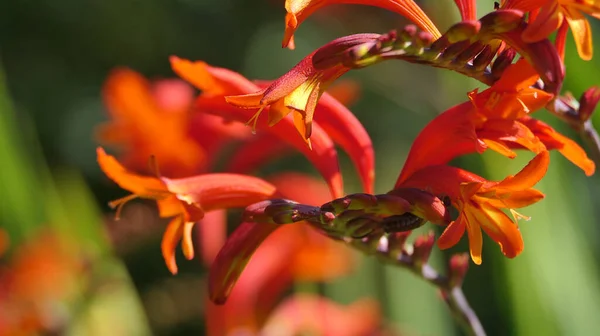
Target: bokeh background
x,y
55,57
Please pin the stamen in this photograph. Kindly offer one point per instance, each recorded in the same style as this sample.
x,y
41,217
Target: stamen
x,y
518,216
254,120
119,204
525,108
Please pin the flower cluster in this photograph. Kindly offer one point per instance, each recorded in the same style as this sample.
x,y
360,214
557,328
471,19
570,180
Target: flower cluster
x,y
508,49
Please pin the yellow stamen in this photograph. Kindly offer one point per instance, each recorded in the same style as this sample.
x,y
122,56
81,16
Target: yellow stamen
x,y
517,216
254,119
119,204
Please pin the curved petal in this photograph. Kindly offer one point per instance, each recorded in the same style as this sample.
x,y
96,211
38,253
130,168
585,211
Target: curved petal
x,y
299,10
547,21
501,229
220,190
515,199
474,233
170,239
531,174
233,257
452,234
148,187
567,147
450,134
512,132
582,32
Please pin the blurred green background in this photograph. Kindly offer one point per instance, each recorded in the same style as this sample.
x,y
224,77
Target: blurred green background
x,y
55,56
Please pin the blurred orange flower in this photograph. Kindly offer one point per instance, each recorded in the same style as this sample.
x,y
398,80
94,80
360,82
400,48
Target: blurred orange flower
x,y
185,199
151,120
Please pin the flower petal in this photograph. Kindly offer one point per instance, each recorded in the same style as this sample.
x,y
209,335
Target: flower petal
x,y
467,9
148,187
170,239
500,228
567,147
531,174
547,21
450,134
582,32
452,234
220,190
474,233
233,257
299,10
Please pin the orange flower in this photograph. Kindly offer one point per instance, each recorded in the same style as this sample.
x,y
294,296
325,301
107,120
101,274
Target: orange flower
x,y
185,199
299,10
503,120
498,119
339,124
480,203
299,90
151,120
551,17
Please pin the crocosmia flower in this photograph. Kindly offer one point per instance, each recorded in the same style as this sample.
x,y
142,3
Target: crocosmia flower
x,y
480,203
299,10
185,199
553,13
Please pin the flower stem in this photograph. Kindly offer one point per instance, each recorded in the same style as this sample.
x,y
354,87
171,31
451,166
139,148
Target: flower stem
x,y
454,297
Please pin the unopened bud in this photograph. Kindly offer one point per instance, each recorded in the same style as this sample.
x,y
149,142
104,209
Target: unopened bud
x,y
422,248
396,242
457,269
501,21
588,102
503,61
462,31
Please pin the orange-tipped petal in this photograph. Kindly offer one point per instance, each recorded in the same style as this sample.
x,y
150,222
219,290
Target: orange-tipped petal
x,y
516,77
501,229
567,147
515,199
547,21
582,32
233,257
170,239
500,148
211,80
299,10
450,134
149,187
530,175
187,244
452,234
504,131
220,190
475,237
323,154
